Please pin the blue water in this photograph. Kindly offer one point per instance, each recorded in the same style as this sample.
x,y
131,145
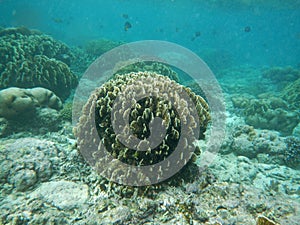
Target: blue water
x,y
272,40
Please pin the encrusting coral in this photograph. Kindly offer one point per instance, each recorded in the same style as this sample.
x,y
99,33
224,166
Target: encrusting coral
x,y
30,59
140,116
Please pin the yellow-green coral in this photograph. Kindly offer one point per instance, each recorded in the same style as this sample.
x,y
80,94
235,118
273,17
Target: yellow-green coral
x,y
149,66
39,71
140,116
66,112
291,93
29,59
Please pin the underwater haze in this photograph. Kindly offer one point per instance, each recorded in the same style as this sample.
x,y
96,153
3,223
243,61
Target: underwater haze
x,y
150,112
272,37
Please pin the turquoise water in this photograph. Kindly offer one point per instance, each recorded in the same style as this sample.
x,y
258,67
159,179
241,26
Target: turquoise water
x,y
245,166
273,38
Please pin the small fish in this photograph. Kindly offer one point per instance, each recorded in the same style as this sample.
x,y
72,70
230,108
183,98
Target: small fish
x,y
125,16
161,30
57,20
127,26
247,29
197,34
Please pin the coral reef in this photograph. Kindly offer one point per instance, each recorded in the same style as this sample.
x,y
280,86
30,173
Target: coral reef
x,y
64,195
84,56
267,112
243,80
140,115
233,190
28,161
96,48
34,110
265,146
149,66
281,76
292,153
29,59
66,112
39,71
22,43
291,94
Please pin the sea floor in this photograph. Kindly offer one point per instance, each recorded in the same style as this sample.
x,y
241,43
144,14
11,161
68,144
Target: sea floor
x,y
44,179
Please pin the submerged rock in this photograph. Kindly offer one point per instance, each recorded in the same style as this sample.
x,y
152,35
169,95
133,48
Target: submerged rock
x,y
64,195
26,162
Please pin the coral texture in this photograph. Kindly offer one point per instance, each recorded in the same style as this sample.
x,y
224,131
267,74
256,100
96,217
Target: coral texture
x,y
267,112
17,103
29,59
291,94
66,112
149,66
281,76
26,162
140,115
266,146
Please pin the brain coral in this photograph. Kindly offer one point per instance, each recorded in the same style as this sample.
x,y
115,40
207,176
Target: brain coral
x,y
17,103
29,59
141,114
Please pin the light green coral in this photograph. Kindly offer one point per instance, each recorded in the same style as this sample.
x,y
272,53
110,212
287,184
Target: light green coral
x,y
29,59
66,112
140,116
39,71
291,93
149,66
